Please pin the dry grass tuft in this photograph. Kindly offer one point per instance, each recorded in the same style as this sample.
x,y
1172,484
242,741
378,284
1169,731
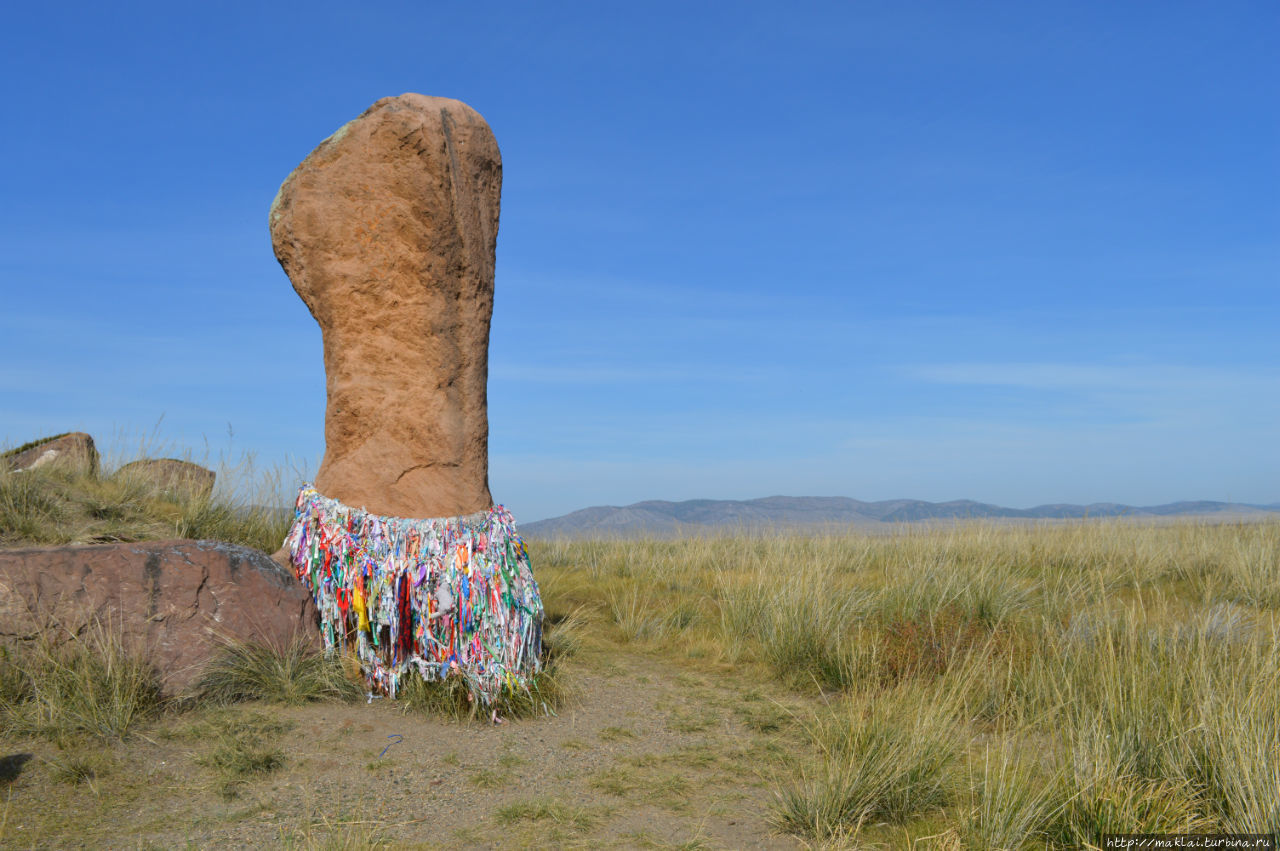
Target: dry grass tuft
x,y
89,684
291,675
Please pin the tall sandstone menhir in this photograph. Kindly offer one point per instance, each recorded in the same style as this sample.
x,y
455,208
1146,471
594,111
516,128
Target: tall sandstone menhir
x,y
388,231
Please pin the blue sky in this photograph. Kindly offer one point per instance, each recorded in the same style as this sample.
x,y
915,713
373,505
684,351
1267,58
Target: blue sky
x,y
1015,252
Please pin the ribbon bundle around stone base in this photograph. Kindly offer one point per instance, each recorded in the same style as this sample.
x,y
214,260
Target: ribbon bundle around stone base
x,y
446,596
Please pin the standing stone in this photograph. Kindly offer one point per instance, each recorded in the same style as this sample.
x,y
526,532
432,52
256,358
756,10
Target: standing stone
x,y
388,231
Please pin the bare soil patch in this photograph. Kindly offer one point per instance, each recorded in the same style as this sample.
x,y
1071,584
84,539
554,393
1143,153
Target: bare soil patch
x,y
648,755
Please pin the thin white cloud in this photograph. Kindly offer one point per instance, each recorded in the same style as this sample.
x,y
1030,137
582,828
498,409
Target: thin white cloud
x,y
666,373
1097,377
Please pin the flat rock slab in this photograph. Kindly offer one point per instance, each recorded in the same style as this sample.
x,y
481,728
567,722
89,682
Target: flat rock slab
x,y
176,600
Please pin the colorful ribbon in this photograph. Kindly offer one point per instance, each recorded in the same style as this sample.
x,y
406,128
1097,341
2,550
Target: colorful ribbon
x,y
446,596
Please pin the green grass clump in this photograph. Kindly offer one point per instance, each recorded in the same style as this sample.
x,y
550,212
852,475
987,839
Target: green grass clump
x,y
805,637
15,677
488,778
243,746
80,766
545,809
32,510
87,685
31,444
1011,803
885,757
1119,804
641,617
291,675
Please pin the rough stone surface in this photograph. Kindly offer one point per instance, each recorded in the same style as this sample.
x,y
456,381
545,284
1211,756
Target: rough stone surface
x,y
388,231
74,448
169,474
177,600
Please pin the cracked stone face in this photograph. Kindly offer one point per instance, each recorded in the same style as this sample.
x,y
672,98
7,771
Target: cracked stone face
x,y
175,601
388,231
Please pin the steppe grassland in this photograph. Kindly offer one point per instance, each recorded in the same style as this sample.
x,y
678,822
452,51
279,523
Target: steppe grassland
x,y
978,686
984,686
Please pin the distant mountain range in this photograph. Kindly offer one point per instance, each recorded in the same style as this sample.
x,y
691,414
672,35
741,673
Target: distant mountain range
x,y
699,516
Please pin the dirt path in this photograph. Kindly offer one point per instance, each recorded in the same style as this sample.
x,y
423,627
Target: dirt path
x,y
648,756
